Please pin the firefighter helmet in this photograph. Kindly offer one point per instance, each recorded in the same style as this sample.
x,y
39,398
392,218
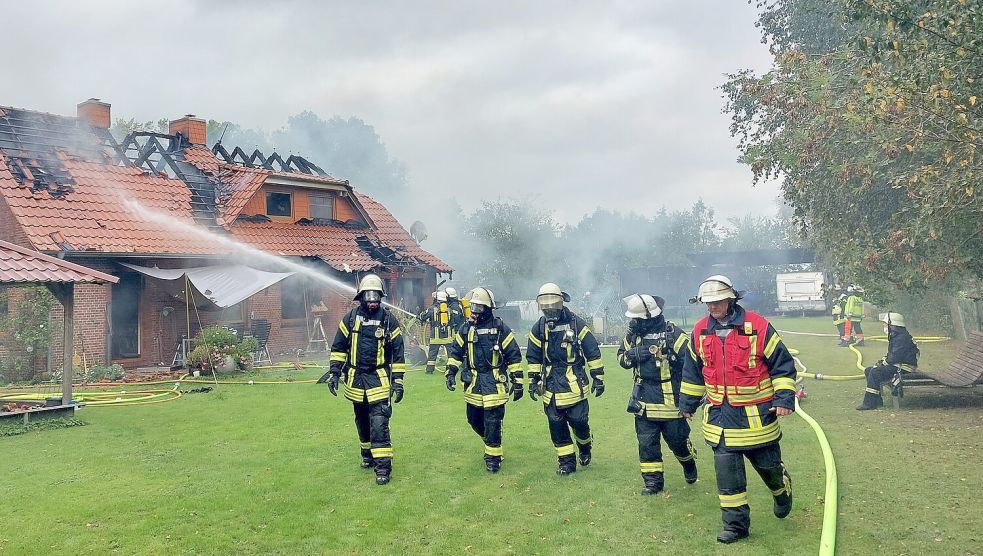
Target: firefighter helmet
x,y
370,282
441,297
551,297
717,288
482,296
451,293
892,319
642,306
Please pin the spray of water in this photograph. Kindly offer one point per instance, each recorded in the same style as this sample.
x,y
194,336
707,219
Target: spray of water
x,y
238,247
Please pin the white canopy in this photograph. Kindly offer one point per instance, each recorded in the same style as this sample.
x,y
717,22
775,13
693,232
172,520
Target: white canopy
x,y
223,285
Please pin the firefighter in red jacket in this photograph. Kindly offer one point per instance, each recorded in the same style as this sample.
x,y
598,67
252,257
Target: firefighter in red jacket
x,y
739,363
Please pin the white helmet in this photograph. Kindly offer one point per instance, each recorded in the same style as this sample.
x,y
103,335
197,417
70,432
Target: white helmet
x,y
550,296
482,296
642,306
451,293
716,288
371,282
441,297
892,319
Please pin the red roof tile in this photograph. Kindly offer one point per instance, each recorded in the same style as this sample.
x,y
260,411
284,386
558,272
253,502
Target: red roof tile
x,y
93,217
336,245
19,264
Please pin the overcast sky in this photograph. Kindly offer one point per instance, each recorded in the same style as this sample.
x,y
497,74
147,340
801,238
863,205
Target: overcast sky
x,y
579,104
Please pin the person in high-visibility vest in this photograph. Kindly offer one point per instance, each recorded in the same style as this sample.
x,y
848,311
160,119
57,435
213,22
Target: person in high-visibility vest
x,y
740,365
853,310
441,333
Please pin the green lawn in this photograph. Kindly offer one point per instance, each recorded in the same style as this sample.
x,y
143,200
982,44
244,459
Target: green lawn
x,y
274,469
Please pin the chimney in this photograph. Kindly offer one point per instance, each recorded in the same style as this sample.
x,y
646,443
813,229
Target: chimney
x,y
191,127
95,112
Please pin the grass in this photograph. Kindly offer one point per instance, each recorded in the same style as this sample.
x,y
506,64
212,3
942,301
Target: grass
x,y
274,470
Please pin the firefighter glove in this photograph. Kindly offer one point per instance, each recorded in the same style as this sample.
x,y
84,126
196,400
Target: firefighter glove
x,y
396,392
333,382
516,391
533,390
639,354
324,378
597,387
449,380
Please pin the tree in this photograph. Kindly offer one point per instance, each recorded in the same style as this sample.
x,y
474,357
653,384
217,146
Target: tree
x,y
122,127
874,138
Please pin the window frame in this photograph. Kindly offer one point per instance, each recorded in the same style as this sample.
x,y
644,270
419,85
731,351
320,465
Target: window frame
x,y
290,202
312,196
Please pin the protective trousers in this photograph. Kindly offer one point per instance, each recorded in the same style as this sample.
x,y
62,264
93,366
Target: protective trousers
x,y
676,433
561,421
372,423
432,353
876,377
487,423
732,481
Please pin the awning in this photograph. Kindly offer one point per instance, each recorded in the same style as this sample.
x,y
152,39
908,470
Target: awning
x,y
223,285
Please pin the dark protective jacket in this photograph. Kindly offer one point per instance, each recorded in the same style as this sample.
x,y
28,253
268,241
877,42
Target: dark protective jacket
x,y
458,315
368,352
901,349
439,317
489,360
743,375
558,353
658,376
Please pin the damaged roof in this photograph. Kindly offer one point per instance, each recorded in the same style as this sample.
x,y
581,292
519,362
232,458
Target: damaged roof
x,y
71,192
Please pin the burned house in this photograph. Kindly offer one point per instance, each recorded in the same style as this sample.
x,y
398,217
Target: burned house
x,y
154,209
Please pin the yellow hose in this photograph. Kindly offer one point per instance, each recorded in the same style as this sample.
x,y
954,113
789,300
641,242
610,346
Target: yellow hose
x,y
827,541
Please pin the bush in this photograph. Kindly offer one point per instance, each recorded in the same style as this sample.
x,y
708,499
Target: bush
x,y
215,343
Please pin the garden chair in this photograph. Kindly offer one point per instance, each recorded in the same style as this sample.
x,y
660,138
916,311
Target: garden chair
x,y
965,371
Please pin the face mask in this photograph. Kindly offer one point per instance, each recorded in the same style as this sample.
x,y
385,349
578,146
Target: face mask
x,y
552,315
480,313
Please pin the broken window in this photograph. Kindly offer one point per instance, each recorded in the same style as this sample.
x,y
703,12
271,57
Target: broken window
x,y
322,206
278,204
125,311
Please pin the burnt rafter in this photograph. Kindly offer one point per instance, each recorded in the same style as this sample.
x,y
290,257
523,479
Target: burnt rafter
x,y
274,162
384,253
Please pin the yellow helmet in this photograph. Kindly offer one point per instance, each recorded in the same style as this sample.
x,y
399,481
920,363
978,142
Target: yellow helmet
x,y
551,297
716,288
371,282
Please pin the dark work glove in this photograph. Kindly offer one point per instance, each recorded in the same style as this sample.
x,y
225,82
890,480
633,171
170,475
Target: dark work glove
x,y
449,380
396,392
534,389
333,382
516,391
597,387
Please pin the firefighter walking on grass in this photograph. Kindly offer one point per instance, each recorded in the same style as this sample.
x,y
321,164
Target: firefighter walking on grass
x,y
487,355
367,354
441,333
655,350
739,362
561,353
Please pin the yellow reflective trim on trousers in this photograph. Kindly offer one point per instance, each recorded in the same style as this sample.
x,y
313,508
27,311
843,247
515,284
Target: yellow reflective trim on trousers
x,y
691,456
772,345
494,450
365,445
382,452
691,389
872,391
566,450
535,341
733,500
583,332
583,441
651,466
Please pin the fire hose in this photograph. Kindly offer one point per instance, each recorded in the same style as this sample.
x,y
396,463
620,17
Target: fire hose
x,y
827,540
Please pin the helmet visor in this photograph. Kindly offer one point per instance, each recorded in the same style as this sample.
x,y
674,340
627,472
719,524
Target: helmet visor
x,y
550,301
371,296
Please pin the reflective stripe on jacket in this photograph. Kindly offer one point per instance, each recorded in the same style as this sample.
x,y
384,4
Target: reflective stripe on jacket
x,y
558,355
368,351
657,379
489,359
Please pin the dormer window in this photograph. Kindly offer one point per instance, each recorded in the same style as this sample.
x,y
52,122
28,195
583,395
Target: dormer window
x,y
278,204
322,206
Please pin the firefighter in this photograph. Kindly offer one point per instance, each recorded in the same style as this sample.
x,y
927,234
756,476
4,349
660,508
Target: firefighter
x,y
561,352
738,361
902,357
655,350
853,310
441,334
486,353
367,354
459,310
838,317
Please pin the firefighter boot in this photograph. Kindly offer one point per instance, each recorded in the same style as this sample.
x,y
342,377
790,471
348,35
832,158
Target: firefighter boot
x,y
654,483
566,465
689,471
872,399
367,461
431,367
585,454
843,343
728,536
783,501
493,463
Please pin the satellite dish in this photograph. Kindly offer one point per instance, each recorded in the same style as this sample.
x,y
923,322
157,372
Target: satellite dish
x,y
419,231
